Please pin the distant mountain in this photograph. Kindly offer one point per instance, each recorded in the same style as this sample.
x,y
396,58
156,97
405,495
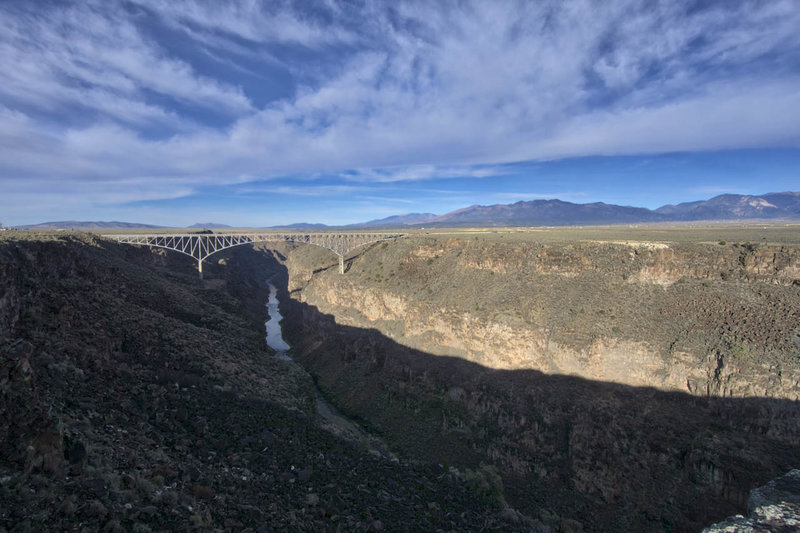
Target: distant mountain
x,y
208,225
560,213
400,220
776,205
77,224
545,213
302,226
788,201
736,206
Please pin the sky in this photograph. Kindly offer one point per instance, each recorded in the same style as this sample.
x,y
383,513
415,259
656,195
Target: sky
x,y
255,113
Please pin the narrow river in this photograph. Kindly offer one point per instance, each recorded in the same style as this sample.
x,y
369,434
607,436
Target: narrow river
x,y
273,325
329,417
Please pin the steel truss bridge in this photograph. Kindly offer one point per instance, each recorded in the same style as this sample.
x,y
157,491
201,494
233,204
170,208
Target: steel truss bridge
x,y
202,245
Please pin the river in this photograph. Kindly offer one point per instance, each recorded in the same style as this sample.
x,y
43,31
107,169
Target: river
x,y
328,416
273,325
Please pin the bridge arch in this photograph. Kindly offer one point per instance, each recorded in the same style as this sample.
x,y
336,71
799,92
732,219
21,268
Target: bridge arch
x,y
201,246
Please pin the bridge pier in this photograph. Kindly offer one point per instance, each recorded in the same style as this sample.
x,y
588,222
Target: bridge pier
x,y
201,246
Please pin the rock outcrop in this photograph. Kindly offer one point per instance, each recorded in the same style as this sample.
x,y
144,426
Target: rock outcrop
x,y
648,386
773,508
135,398
717,320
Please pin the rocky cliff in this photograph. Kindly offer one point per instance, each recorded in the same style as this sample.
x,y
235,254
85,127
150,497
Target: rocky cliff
x,y
775,507
706,319
135,398
613,384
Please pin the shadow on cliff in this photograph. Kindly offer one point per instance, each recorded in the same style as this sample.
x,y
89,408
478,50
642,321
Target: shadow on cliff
x,y
134,397
574,452
579,454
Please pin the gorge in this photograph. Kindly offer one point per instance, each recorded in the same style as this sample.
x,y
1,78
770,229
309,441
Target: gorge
x,y
618,380
646,385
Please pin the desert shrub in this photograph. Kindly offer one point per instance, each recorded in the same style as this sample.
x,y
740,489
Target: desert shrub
x,y
486,485
738,350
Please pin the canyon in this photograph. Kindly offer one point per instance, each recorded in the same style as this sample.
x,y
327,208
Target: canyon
x,y
712,319
135,398
614,385
539,380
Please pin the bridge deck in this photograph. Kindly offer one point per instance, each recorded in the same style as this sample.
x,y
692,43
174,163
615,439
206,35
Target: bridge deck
x,y
202,245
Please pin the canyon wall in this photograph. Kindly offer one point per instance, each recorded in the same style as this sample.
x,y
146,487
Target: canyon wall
x,y
615,386
721,320
134,397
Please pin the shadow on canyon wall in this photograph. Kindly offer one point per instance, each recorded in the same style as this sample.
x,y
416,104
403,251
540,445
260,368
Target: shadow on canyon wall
x,y
578,454
135,398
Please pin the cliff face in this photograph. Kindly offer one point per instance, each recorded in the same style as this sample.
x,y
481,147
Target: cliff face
x,y
459,351
135,398
773,507
706,319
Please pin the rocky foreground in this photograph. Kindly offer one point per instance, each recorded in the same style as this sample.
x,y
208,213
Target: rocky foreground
x,y
775,507
133,398
569,386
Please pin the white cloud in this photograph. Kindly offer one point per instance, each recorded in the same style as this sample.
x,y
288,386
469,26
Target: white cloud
x,y
526,196
302,190
399,93
261,22
725,117
422,172
82,56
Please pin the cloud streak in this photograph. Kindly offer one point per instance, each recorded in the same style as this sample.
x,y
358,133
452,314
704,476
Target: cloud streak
x,y
97,92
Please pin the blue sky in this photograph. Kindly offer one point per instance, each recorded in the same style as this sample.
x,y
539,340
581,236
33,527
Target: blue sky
x,y
260,113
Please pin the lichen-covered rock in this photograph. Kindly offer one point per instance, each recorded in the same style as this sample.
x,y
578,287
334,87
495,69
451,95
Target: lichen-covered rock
x,y
785,489
773,508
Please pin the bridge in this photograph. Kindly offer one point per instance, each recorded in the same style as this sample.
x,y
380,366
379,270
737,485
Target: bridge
x,y
202,245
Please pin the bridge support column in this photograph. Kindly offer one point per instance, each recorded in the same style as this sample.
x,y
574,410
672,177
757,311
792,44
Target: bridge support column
x,y
200,268
341,264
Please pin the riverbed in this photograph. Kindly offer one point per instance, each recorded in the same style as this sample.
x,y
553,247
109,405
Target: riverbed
x,y
273,326
329,417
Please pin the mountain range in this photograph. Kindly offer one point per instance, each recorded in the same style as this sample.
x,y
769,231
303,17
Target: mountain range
x,y
80,224
99,224
208,225
725,207
736,206
782,205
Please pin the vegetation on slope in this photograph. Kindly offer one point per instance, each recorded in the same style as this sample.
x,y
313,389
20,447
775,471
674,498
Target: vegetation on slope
x,y
134,398
380,341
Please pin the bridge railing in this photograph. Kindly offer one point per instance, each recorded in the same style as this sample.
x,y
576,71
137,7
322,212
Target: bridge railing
x,y
202,245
